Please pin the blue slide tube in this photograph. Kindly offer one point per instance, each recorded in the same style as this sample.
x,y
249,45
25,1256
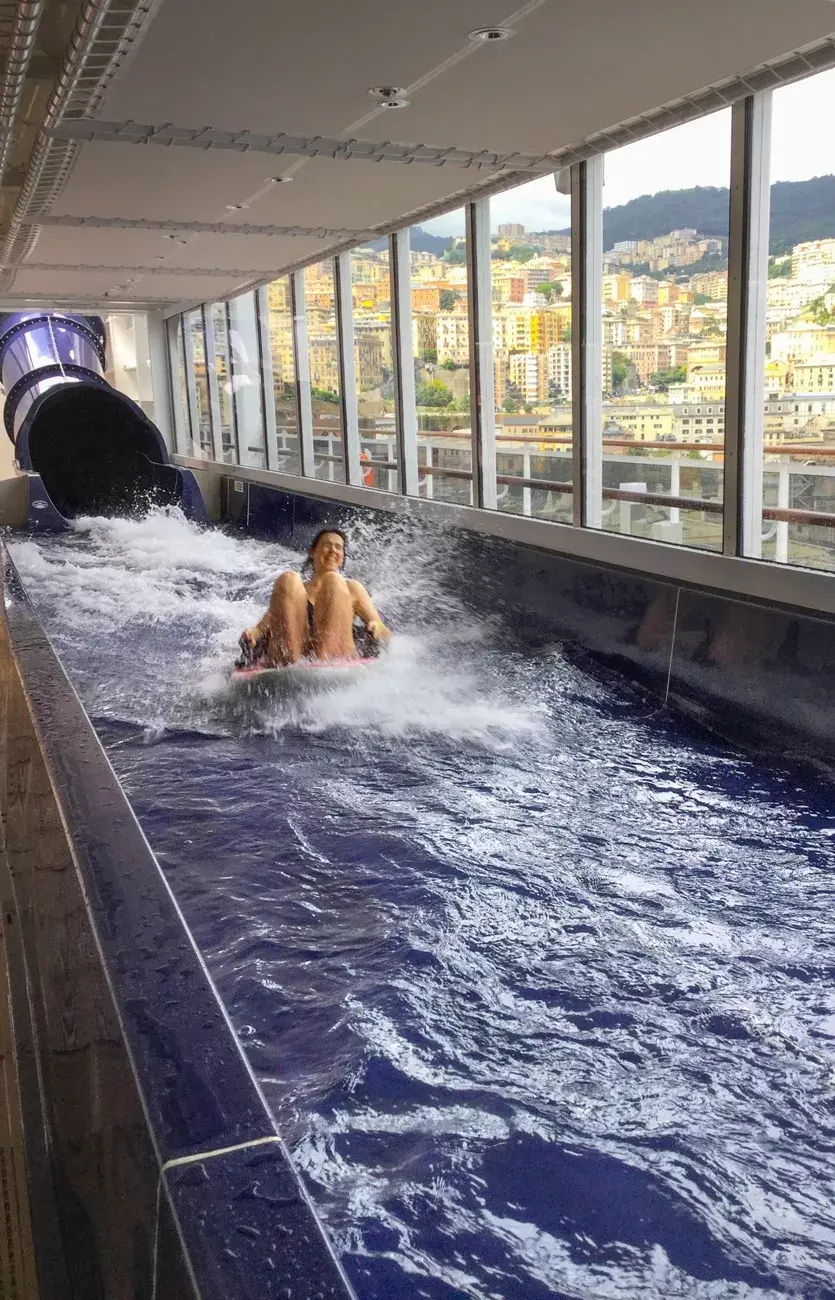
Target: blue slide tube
x,y
94,450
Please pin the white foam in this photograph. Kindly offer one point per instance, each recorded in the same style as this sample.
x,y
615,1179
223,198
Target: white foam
x,y
163,601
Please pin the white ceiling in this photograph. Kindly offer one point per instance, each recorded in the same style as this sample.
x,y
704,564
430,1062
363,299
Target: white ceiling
x,y
571,71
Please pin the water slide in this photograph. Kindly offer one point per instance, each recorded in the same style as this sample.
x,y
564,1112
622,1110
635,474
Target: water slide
x,y
86,448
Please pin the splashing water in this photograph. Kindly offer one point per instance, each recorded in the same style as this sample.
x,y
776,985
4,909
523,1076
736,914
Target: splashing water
x,y
539,990
151,611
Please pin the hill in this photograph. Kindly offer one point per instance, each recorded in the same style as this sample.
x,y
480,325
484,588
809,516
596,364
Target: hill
x,y
420,242
800,210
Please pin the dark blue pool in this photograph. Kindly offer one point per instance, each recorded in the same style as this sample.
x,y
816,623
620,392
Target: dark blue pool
x,y
539,983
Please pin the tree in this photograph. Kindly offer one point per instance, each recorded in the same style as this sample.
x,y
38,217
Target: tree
x,y
463,403
620,369
448,364
433,394
455,256
701,298
551,289
662,379
779,267
521,253
324,394
429,354
447,299
511,404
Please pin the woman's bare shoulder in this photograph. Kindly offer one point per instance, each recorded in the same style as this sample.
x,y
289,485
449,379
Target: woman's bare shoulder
x,y
356,587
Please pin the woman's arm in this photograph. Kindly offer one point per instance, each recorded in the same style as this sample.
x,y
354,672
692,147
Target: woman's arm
x,y
364,607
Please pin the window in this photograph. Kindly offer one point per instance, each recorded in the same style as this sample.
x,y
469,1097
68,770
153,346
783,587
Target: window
x,y
196,350
219,331
283,453
129,358
530,282
325,385
799,458
441,346
246,380
177,372
664,334
374,366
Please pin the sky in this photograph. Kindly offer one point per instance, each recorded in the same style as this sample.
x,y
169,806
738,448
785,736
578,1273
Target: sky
x,y
698,153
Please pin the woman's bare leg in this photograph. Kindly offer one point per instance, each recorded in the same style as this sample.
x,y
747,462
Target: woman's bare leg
x,y
286,621
333,619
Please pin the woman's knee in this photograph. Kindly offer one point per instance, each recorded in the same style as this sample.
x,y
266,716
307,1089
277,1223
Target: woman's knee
x,y
288,584
333,582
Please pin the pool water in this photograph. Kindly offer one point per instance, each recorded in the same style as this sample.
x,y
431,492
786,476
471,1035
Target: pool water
x,y
538,982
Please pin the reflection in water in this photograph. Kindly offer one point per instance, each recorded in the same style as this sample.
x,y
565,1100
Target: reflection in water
x,y
541,990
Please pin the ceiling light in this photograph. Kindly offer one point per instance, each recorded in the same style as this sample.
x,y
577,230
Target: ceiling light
x,y
489,34
386,92
236,207
280,180
395,103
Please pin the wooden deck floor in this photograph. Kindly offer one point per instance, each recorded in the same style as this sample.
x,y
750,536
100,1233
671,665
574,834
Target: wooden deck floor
x,y
17,1264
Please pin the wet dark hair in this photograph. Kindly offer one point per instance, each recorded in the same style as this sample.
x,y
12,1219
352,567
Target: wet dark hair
x,y
323,532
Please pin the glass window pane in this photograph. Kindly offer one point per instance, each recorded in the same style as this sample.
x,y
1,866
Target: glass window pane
x,y
373,360
129,358
283,453
177,371
665,295
323,351
223,370
203,442
799,426
530,270
441,345
246,380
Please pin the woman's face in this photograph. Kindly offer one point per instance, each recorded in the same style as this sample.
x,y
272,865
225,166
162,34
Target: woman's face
x,y
328,555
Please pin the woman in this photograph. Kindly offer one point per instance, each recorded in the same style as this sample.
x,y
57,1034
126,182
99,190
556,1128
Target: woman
x,y
316,617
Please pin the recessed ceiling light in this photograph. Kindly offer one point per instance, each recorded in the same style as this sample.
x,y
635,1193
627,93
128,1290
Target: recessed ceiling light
x,y
394,103
281,180
236,207
386,92
488,34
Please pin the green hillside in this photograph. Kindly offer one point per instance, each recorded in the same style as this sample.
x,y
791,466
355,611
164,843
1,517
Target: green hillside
x,y
800,210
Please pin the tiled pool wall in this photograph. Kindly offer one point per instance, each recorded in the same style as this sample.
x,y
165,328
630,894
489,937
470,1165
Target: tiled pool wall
x,y
154,1166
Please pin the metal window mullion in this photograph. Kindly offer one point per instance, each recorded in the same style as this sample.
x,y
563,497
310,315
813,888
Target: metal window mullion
x,y
747,301
587,341
403,359
175,327
192,404
347,369
210,353
482,403
302,358
230,371
265,369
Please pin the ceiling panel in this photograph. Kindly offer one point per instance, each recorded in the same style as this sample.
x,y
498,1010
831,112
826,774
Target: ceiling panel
x,y
73,281
183,184
174,288
284,67
124,180
77,247
357,194
244,251
572,72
